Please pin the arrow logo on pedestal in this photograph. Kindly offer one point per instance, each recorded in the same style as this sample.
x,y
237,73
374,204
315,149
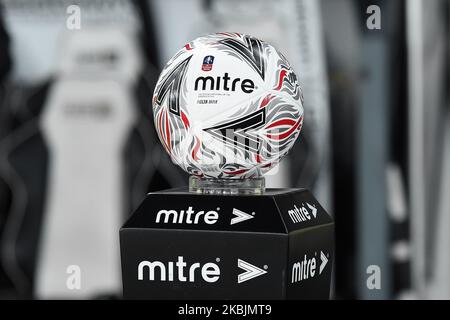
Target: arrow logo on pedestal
x,y
251,271
314,210
324,261
240,216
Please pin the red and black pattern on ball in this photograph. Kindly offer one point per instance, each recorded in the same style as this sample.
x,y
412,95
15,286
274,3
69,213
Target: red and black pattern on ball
x,y
265,101
286,79
282,126
195,148
171,128
239,132
163,130
265,135
194,155
189,46
171,87
246,48
281,76
172,122
287,82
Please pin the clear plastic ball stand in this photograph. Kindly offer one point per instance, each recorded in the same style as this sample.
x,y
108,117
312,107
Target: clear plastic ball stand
x,y
226,186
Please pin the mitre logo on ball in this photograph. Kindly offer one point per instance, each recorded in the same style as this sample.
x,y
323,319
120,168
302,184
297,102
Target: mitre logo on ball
x,y
228,105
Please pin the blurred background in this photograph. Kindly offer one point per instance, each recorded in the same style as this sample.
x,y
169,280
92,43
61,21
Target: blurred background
x,y
78,151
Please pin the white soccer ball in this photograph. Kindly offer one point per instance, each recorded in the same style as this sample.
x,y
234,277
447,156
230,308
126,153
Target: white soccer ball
x,y
228,105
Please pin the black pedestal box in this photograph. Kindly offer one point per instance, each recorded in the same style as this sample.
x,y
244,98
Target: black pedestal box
x,y
180,245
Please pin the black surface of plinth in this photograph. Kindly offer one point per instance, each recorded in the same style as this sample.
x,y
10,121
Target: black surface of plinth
x,y
181,245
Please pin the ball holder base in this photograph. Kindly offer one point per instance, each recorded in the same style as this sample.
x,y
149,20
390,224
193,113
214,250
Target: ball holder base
x,y
226,186
185,245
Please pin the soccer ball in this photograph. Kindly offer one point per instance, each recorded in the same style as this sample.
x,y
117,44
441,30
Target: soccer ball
x,y
229,106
